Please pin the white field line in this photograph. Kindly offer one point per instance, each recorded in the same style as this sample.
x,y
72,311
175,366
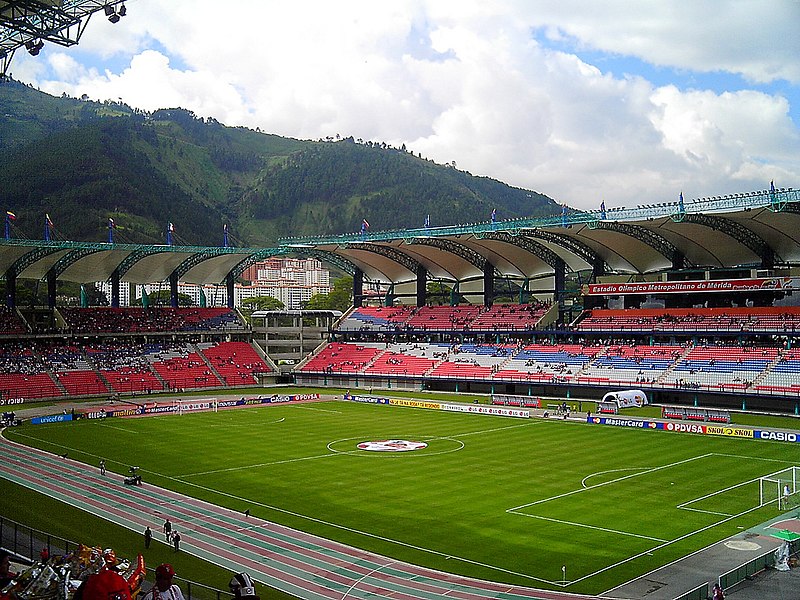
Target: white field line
x,y
120,428
585,526
725,519
357,531
338,526
257,465
609,482
325,410
585,479
685,505
664,545
348,452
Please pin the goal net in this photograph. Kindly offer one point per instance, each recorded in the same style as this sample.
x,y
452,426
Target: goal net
x,y
773,487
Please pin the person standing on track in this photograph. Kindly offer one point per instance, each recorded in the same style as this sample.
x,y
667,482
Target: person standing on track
x,y
176,541
148,537
167,530
102,466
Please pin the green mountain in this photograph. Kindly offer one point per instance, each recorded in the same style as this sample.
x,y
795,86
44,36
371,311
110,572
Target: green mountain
x,y
84,162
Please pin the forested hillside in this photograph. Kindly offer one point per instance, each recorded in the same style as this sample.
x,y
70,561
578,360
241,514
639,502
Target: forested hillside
x,y
84,162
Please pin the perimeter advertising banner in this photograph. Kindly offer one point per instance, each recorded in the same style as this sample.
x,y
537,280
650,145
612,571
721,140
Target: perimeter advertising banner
x,y
178,407
51,419
483,409
699,428
462,408
683,287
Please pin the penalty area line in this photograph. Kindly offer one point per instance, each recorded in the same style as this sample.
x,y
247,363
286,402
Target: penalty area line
x,y
594,527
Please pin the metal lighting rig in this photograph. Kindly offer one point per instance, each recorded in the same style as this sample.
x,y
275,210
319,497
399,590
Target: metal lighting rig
x,y
30,23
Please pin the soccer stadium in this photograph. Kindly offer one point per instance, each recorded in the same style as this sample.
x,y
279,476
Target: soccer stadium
x,y
622,383
598,404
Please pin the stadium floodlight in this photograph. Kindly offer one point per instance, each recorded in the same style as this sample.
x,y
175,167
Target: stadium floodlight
x,y
34,47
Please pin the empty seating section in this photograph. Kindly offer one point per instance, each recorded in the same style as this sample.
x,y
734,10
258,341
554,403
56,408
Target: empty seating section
x,y
10,323
631,364
236,362
341,357
152,319
722,320
443,318
376,318
509,317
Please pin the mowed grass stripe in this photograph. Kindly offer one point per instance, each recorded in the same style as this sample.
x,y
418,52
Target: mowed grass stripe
x,y
427,505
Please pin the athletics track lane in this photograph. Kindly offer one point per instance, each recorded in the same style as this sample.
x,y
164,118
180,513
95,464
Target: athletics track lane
x,y
298,563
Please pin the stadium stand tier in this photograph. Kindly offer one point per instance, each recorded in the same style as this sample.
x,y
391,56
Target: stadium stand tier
x,y
770,319
102,364
676,354
140,320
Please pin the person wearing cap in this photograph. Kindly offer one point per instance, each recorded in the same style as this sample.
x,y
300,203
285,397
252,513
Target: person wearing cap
x,y
105,585
164,589
242,587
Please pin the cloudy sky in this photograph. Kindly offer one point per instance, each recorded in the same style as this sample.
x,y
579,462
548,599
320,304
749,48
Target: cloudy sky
x,y
626,102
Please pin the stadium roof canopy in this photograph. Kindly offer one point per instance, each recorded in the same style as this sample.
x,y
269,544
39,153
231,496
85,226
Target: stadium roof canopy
x,y
30,23
88,262
760,229
757,229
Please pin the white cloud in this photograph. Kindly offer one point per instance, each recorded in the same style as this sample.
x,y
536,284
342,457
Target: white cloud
x,y
467,81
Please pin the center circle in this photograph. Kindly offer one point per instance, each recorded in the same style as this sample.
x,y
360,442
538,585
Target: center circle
x,y
391,446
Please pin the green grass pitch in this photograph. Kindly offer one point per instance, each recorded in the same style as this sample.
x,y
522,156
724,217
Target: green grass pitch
x,y
492,497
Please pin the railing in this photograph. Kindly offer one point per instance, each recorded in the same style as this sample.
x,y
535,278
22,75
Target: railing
x,y
676,210
27,543
748,569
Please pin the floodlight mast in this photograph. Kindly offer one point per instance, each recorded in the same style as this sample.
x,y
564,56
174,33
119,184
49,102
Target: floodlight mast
x,y
30,23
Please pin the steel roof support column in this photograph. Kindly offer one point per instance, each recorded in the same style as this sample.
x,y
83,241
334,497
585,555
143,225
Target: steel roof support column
x,y
115,288
525,291
11,288
598,268
389,298
51,288
559,284
678,261
422,285
488,283
173,290
358,288
229,281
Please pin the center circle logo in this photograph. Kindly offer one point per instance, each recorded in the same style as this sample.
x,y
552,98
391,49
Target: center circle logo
x,y
391,446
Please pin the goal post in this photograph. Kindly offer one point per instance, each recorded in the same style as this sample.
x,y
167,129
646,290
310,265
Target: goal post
x,y
771,487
